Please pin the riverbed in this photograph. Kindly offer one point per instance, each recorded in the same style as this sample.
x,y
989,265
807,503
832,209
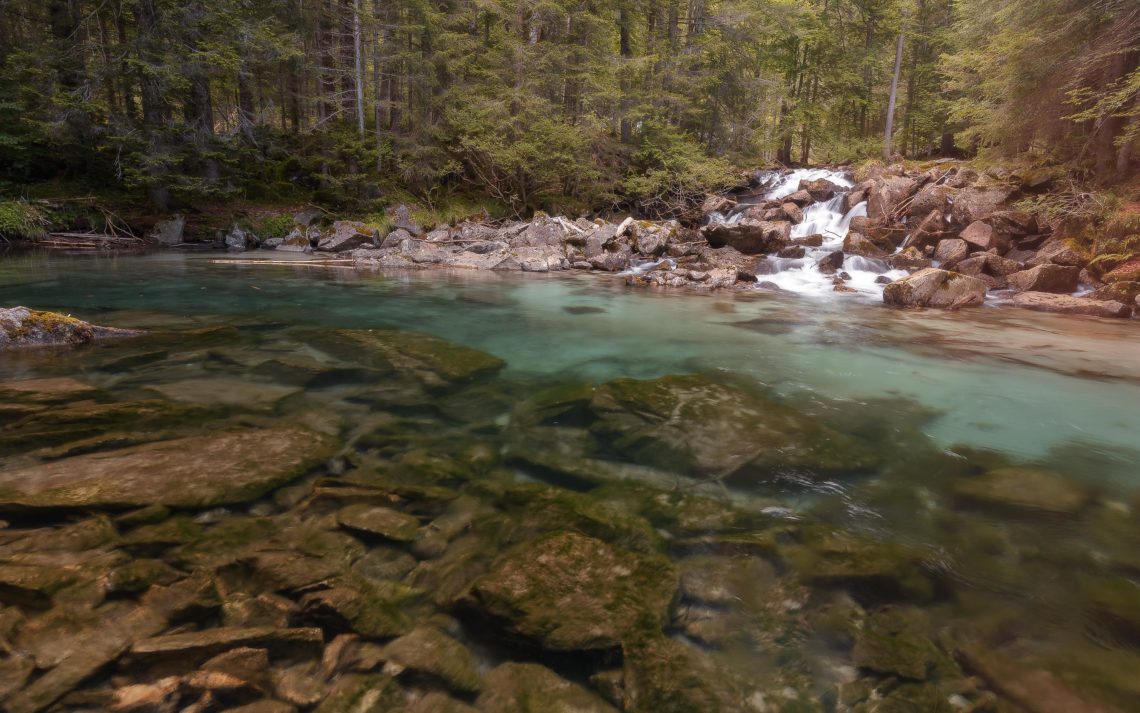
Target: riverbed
x,y
977,509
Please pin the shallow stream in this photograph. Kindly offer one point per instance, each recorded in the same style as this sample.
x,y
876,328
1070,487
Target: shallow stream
x,y
802,587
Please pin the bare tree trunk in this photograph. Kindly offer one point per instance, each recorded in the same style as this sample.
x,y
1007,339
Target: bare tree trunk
x,y
891,104
359,56
624,29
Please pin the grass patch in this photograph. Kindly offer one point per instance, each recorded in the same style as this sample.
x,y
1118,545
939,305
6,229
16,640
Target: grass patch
x,y
20,220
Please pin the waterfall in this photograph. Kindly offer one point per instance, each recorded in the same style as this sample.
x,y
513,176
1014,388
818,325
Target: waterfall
x,y
827,219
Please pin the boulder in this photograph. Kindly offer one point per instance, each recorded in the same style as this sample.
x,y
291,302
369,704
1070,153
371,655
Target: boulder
x,y
793,212
200,471
749,236
1001,266
859,244
1045,278
23,327
1014,222
830,263
705,429
820,189
891,643
931,198
345,236
401,217
168,232
569,592
983,236
238,239
433,361
530,688
887,195
794,252
932,287
1123,292
800,198
296,242
717,204
950,252
1065,304
908,259
973,204
307,217
1056,252
399,239
972,267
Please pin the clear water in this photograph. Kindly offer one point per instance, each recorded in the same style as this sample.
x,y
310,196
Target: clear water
x,y
1033,389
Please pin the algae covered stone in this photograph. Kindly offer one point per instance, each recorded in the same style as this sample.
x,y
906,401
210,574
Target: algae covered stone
x,y
431,360
530,688
568,592
1023,490
428,651
195,472
23,327
713,430
892,643
376,520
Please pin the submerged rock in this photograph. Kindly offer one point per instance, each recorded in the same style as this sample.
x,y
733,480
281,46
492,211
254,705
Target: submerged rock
x,y
196,471
568,592
705,429
932,287
376,520
530,688
891,643
431,360
23,327
430,652
1023,489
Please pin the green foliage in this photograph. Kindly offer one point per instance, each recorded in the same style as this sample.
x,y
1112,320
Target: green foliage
x,y
669,164
20,220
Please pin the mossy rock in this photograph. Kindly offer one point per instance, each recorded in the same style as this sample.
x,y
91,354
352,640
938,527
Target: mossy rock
x,y
199,471
360,693
569,592
138,575
1115,603
663,675
706,429
378,521
433,361
540,508
1023,490
871,570
23,327
892,644
374,610
429,652
530,688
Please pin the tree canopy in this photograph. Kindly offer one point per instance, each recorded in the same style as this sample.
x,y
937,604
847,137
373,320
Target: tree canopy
x,y
548,103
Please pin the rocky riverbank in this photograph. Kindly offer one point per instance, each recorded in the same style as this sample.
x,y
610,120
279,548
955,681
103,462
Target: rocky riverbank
x,y
949,237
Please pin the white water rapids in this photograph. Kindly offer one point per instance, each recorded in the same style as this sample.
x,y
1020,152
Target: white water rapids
x,y
824,218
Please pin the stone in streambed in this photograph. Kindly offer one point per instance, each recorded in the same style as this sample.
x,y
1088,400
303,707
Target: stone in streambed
x,y
23,327
1128,272
951,252
891,643
749,236
567,592
194,472
1065,304
1122,292
1023,490
431,360
932,287
376,520
347,235
1046,278
428,651
530,688
702,428
202,645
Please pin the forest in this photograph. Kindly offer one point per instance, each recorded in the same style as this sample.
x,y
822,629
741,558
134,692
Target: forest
x,y
562,105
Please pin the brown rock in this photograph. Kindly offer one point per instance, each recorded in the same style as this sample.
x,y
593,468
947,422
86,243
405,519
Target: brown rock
x,y
749,236
206,644
1065,304
801,198
1128,272
1056,252
886,196
950,252
1001,266
984,237
1124,292
793,212
974,204
935,288
1045,278
859,244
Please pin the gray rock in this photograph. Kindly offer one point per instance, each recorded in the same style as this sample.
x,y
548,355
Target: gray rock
x,y
296,242
932,287
346,236
307,218
168,232
974,204
1056,252
402,219
23,327
1046,278
237,239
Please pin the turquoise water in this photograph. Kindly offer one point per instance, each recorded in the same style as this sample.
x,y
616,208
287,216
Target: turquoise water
x,y
937,394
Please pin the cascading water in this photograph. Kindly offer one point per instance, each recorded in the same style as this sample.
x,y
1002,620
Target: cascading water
x,y
829,220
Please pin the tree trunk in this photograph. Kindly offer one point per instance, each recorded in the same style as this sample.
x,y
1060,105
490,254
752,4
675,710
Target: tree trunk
x,y
891,104
154,107
359,56
626,48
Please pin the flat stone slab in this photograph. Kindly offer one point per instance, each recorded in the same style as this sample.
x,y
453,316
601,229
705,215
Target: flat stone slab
x,y
194,472
23,327
204,644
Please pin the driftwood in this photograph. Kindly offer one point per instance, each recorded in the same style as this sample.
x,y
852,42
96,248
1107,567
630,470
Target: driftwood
x,y
90,241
